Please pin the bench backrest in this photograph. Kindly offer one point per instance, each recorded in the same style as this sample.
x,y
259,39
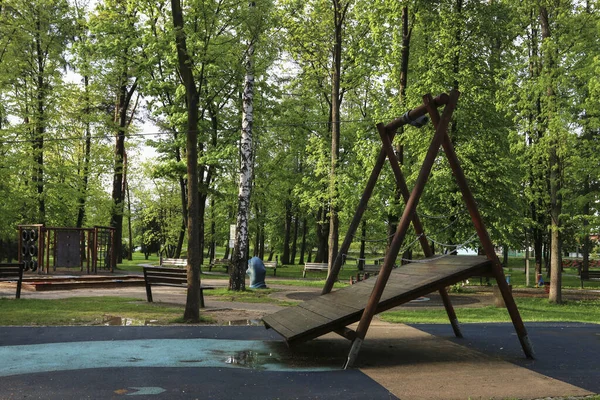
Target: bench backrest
x,y
371,268
315,265
178,262
270,264
165,275
590,274
11,271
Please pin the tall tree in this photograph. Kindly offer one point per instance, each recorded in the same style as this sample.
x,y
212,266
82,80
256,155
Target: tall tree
x,y
340,9
192,305
237,277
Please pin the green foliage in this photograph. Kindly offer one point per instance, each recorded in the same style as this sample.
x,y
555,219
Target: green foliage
x,y
493,52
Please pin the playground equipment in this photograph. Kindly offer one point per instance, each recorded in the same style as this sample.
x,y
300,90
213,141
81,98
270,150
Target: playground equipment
x,y
41,246
334,311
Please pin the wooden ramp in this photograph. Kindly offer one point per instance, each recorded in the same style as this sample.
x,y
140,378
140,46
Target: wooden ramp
x,y
335,310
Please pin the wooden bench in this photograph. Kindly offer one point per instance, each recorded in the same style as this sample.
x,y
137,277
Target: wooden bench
x,y
12,272
371,269
271,264
222,262
174,277
588,276
314,267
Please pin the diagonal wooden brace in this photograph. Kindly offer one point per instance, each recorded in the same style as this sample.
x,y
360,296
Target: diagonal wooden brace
x,y
419,231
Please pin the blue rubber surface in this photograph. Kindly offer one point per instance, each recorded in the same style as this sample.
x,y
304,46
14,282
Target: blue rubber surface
x,y
569,352
207,362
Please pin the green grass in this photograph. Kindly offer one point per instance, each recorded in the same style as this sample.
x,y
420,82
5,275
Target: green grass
x,y
305,283
531,310
137,259
248,296
570,279
84,311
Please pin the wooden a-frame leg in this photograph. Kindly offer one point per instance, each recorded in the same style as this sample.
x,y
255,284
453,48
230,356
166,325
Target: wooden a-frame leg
x,y
484,238
451,314
419,231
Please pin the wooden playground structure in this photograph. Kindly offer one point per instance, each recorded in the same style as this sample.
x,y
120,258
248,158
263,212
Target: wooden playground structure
x,y
334,311
42,247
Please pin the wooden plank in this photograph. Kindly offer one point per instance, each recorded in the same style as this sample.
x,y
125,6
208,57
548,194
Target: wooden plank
x,y
157,280
166,275
335,310
458,260
275,322
328,309
297,321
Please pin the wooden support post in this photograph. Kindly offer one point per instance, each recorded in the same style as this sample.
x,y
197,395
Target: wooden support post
x,y
364,200
403,189
407,216
487,245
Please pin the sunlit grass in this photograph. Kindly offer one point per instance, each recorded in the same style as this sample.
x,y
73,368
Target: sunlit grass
x,y
84,311
248,296
531,310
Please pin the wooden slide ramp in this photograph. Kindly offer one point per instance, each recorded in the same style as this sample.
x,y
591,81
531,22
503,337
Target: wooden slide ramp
x,y
336,310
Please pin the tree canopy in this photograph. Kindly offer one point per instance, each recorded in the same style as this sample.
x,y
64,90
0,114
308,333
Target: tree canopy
x,y
87,88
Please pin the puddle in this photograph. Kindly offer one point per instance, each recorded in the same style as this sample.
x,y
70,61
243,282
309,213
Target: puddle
x,y
111,320
211,353
248,359
245,322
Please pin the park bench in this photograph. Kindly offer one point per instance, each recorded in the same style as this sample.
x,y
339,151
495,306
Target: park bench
x,y
174,277
222,262
371,269
271,264
175,262
12,272
589,275
314,267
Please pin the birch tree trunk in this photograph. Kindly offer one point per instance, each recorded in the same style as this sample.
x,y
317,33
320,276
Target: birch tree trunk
x,y
237,276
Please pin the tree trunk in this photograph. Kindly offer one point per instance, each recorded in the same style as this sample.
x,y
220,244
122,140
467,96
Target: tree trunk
x,y
130,234
184,211
303,244
237,277
86,157
361,255
294,241
285,256
585,267
40,126
336,100
256,251
555,169
192,305
322,245
121,120
213,231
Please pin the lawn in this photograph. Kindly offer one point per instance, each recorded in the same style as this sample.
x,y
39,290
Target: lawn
x,y
85,311
531,310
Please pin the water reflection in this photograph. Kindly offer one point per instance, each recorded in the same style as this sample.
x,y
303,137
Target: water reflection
x,y
112,320
245,322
